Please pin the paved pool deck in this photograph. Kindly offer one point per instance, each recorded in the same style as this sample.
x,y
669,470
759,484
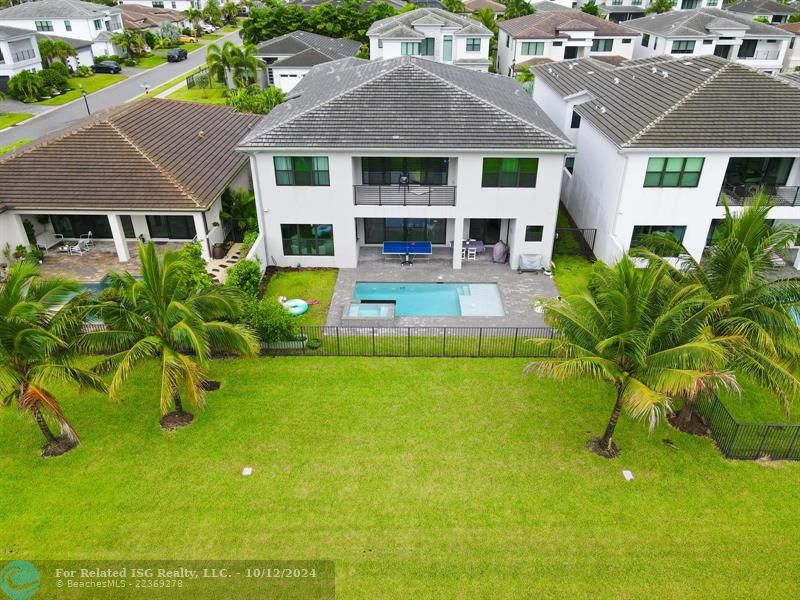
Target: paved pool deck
x,y
517,289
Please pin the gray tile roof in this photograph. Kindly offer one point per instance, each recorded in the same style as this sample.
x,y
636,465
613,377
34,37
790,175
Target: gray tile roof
x,y
297,41
791,78
307,58
401,32
610,9
761,7
474,5
408,19
681,103
406,103
698,22
549,6
7,33
56,9
74,42
549,25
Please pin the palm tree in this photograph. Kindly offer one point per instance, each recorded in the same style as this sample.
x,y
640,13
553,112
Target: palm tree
x,y
46,51
740,266
455,6
518,8
641,331
660,6
62,51
230,11
194,16
487,18
38,319
245,64
591,8
221,63
130,40
161,317
525,75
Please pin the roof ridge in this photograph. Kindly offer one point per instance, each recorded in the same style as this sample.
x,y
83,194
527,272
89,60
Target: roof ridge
x,y
492,104
678,104
153,162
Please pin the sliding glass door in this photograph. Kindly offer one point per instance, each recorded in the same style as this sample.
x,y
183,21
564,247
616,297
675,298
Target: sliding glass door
x,y
167,227
485,230
377,231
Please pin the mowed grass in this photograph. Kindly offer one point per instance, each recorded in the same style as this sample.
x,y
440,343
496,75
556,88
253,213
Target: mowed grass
x,y
9,119
420,478
148,62
211,36
90,84
754,404
214,95
14,146
316,284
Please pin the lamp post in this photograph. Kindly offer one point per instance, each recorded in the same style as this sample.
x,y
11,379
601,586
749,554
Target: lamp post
x,y
85,100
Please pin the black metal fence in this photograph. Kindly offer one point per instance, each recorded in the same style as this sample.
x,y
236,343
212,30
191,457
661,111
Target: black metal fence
x,y
483,342
749,441
199,79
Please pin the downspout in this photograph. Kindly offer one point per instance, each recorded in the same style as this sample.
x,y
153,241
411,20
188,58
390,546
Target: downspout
x,y
262,225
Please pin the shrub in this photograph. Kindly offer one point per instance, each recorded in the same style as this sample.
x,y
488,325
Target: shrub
x,y
30,231
25,86
150,38
195,274
246,276
253,99
52,78
270,321
202,80
247,242
104,57
84,71
60,67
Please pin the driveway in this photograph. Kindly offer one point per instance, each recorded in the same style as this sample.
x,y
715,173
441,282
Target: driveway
x,y
118,93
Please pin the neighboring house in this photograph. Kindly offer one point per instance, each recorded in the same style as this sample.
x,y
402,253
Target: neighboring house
x,y
153,168
83,49
93,23
290,56
404,149
434,34
179,5
497,8
309,4
693,4
661,142
773,11
791,78
711,31
19,51
792,58
620,11
560,35
146,18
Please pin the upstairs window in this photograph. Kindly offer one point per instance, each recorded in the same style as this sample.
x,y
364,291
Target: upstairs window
x,y
158,3
98,24
44,25
602,45
682,47
426,47
645,39
301,170
673,172
575,123
67,25
509,172
473,44
380,43
409,48
532,48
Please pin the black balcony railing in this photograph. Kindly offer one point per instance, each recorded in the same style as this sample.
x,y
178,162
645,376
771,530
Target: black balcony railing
x,y
404,195
741,195
21,55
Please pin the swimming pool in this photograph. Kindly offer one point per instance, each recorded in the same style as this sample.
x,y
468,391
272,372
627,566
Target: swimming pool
x,y
435,299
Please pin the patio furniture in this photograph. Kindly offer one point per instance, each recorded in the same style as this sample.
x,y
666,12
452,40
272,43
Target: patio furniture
x,y
88,237
48,239
479,246
500,252
80,248
530,263
472,253
408,250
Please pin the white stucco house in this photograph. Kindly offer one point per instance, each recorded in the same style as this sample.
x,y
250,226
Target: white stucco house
x,y
152,169
661,142
179,5
792,59
711,31
291,56
773,11
19,51
349,163
432,33
73,19
561,35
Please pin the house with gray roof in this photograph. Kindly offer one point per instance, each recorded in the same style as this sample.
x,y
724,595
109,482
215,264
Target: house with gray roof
x,y
19,51
289,57
711,31
664,142
404,149
773,11
792,58
560,35
432,33
74,19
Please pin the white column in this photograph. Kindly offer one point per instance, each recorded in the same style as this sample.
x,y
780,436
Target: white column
x,y
119,237
516,241
140,229
200,232
458,237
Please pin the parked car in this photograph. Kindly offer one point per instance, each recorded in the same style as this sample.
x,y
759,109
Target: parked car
x,y
187,39
176,54
107,66
208,28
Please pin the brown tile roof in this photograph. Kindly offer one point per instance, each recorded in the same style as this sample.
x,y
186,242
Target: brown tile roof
x,y
146,155
548,25
473,5
790,27
138,17
532,62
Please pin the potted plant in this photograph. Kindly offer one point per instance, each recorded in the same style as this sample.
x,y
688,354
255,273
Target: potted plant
x,y
219,250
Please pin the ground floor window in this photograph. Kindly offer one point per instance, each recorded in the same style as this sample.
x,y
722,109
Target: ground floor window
x,y
171,227
74,226
377,231
534,233
485,230
639,231
307,240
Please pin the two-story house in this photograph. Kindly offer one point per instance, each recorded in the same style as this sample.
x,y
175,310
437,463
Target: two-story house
x,y
711,31
773,11
792,59
404,149
73,19
662,142
560,35
19,51
179,5
434,34
291,56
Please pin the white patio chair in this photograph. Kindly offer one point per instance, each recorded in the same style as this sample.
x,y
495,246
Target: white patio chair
x,y
472,253
89,239
48,239
80,248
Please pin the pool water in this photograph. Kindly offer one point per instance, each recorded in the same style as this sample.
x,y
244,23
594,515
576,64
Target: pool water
x,y
95,287
435,299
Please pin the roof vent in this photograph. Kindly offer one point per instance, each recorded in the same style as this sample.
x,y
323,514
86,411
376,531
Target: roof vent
x,y
653,70
201,134
602,110
571,66
590,72
688,63
664,74
705,70
549,69
616,80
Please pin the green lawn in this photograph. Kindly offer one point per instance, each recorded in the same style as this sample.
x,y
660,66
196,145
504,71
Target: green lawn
x,y
211,36
148,62
758,405
90,84
571,272
214,95
15,145
172,83
9,119
230,28
420,478
316,284
191,47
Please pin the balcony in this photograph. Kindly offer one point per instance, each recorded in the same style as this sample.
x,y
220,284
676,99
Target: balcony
x,y
404,195
762,55
741,195
24,55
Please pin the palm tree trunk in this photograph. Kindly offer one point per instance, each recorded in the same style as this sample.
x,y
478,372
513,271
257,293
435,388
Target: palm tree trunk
x,y
45,429
605,441
176,399
685,416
